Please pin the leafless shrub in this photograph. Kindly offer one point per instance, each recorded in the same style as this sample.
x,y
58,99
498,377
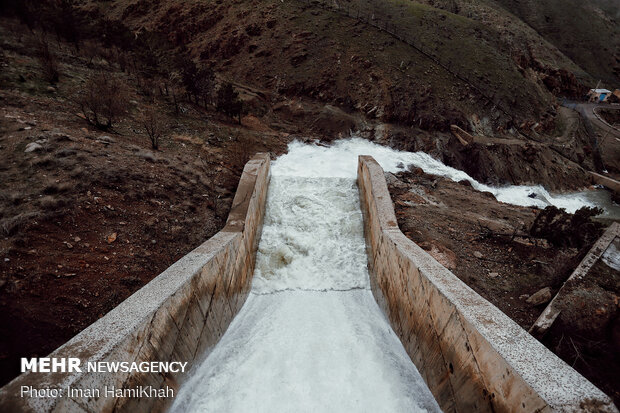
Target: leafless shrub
x,y
90,50
53,187
153,125
241,152
76,172
12,225
147,87
49,202
567,230
47,61
103,100
14,198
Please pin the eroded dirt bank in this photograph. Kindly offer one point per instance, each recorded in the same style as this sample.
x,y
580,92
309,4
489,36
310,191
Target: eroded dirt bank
x,y
488,245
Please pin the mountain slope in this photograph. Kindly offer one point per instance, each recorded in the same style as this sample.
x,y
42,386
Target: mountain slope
x,y
587,32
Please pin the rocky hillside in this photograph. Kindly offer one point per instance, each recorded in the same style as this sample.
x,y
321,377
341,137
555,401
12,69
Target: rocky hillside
x,y
585,31
503,61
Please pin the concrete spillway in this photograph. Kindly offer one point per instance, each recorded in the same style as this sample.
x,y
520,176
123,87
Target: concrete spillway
x,y
330,309
310,337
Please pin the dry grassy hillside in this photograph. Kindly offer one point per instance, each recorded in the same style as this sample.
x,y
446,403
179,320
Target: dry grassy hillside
x,y
298,48
588,32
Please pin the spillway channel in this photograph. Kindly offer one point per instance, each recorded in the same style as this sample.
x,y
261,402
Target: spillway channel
x,y
310,336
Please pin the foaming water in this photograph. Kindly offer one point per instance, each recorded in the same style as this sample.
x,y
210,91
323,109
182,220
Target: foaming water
x,y
310,337
313,236
340,160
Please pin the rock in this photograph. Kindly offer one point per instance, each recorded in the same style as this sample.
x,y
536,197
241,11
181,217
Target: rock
x,y
541,296
478,254
69,245
111,238
33,146
105,139
147,155
392,180
77,239
493,274
51,89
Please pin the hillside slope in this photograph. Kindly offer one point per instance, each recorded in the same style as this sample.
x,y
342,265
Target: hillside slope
x,y
301,49
587,32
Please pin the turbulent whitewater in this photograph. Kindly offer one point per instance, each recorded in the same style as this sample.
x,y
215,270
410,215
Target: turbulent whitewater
x,y
340,159
310,337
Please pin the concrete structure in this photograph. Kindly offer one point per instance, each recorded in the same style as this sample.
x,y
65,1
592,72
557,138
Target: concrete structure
x,y
178,316
598,95
606,181
471,355
607,242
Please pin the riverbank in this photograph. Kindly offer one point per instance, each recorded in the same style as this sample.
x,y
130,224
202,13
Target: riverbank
x,y
486,244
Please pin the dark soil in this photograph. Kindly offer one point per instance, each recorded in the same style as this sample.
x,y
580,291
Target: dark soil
x,y
85,224
611,116
89,217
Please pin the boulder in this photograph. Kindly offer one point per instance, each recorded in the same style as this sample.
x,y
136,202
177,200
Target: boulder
x,y
32,147
106,139
541,296
392,180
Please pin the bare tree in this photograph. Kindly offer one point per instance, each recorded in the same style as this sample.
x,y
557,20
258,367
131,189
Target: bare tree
x,y
103,100
228,101
174,88
241,151
153,125
47,60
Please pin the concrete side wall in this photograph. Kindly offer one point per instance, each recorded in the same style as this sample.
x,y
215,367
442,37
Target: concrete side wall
x,y
471,355
553,309
178,316
606,181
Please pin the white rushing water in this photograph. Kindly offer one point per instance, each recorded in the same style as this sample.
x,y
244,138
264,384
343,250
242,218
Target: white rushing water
x,y
310,337
340,159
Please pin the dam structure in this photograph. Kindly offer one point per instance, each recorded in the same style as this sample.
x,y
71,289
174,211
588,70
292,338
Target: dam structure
x,y
311,299
310,337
